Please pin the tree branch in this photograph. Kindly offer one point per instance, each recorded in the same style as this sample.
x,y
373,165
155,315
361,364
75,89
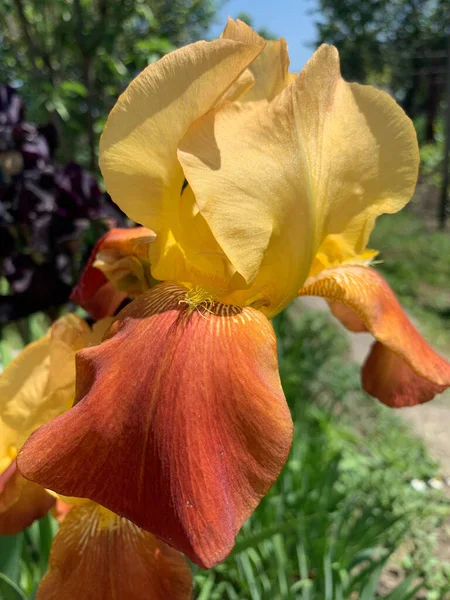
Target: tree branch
x,y
33,50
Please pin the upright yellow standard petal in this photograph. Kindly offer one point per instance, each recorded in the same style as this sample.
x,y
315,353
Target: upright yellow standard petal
x,y
272,180
138,147
269,70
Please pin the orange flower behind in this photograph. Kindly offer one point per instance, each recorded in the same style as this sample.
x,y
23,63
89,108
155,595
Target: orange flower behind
x,y
21,501
118,268
97,555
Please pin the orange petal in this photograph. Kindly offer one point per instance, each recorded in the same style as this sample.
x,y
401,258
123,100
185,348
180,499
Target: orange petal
x,y
348,317
60,510
21,501
402,368
181,424
94,292
97,555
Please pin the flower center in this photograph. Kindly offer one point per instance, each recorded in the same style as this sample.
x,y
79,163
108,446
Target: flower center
x,y
197,298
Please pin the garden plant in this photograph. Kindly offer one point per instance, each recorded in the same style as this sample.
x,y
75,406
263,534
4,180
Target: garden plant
x,y
152,428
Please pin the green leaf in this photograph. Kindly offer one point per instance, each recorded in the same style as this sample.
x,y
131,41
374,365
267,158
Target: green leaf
x,y
10,553
46,534
9,590
405,591
207,587
73,87
368,592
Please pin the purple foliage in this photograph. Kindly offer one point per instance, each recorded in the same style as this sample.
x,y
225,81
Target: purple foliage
x,y
44,210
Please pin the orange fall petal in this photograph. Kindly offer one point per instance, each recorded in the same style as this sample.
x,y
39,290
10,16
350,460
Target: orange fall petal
x,y
181,424
402,369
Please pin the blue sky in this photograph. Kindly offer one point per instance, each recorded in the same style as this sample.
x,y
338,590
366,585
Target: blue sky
x,y
285,18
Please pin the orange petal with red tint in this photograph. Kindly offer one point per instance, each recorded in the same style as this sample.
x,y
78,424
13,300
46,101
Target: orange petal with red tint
x,y
402,368
94,292
347,316
97,555
60,510
21,501
181,424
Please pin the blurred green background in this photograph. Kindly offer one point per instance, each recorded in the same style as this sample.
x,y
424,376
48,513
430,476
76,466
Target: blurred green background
x,y
362,507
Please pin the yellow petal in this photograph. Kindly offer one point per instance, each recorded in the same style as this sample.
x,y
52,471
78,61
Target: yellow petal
x,y
240,87
189,251
269,70
138,146
272,180
335,251
22,385
39,384
367,158
240,176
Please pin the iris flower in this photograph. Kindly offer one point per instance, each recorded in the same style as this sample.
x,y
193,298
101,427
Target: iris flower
x,y
259,186
96,554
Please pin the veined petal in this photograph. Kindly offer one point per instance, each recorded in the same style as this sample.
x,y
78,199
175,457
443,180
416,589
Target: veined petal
x,y
138,147
97,555
180,418
269,70
272,180
21,501
402,369
118,267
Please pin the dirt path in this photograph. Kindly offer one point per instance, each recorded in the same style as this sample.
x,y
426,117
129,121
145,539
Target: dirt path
x,y
430,421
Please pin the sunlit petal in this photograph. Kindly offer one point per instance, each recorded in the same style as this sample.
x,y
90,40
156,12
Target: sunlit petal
x,y
181,418
402,369
190,252
272,180
38,384
269,70
338,250
138,146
